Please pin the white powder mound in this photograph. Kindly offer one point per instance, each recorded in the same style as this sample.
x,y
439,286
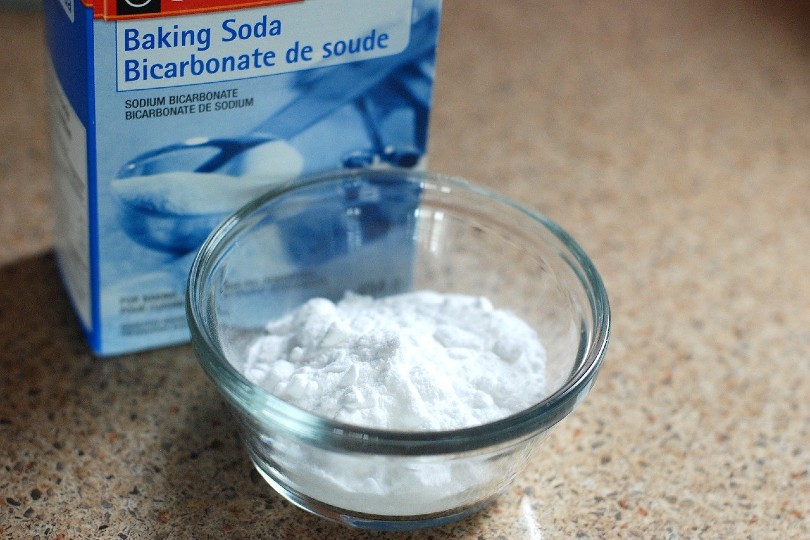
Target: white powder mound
x,y
416,361
192,193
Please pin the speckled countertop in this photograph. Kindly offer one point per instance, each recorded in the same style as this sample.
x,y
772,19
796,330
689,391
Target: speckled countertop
x,y
671,138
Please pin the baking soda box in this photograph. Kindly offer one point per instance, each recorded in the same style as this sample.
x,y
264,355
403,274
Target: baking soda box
x,y
167,115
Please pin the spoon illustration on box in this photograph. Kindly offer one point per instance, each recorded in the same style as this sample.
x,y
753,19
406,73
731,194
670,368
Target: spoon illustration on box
x,y
172,197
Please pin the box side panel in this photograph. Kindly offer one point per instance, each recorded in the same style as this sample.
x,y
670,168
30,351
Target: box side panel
x,y
70,106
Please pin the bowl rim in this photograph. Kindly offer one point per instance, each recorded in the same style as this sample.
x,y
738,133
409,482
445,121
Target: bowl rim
x,y
271,412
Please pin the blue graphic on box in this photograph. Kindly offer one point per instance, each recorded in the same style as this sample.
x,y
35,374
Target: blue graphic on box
x,y
195,153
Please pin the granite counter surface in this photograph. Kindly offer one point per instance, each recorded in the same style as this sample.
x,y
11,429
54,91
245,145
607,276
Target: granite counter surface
x,y
672,139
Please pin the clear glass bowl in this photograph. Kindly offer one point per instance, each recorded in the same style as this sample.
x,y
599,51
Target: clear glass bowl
x,y
381,232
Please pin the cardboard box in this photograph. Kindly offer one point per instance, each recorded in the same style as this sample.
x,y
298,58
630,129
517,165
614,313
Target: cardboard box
x,y
168,115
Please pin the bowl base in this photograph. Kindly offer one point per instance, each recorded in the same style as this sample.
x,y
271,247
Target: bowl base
x,y
368,521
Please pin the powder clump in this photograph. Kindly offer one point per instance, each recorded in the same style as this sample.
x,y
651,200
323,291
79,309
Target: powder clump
x,y
415,361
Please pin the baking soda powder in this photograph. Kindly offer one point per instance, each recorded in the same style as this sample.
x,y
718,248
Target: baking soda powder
x,y
418,361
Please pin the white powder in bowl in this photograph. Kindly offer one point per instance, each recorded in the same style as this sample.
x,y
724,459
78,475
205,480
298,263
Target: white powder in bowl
x,y
420,361
416,361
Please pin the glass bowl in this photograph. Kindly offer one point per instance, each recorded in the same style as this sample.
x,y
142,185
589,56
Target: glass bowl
x,y
382,232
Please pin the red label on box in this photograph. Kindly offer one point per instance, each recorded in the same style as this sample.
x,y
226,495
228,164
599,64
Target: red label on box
x,y
139,9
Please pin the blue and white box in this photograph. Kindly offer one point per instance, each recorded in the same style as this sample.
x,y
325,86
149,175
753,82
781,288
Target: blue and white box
x,y
167,115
